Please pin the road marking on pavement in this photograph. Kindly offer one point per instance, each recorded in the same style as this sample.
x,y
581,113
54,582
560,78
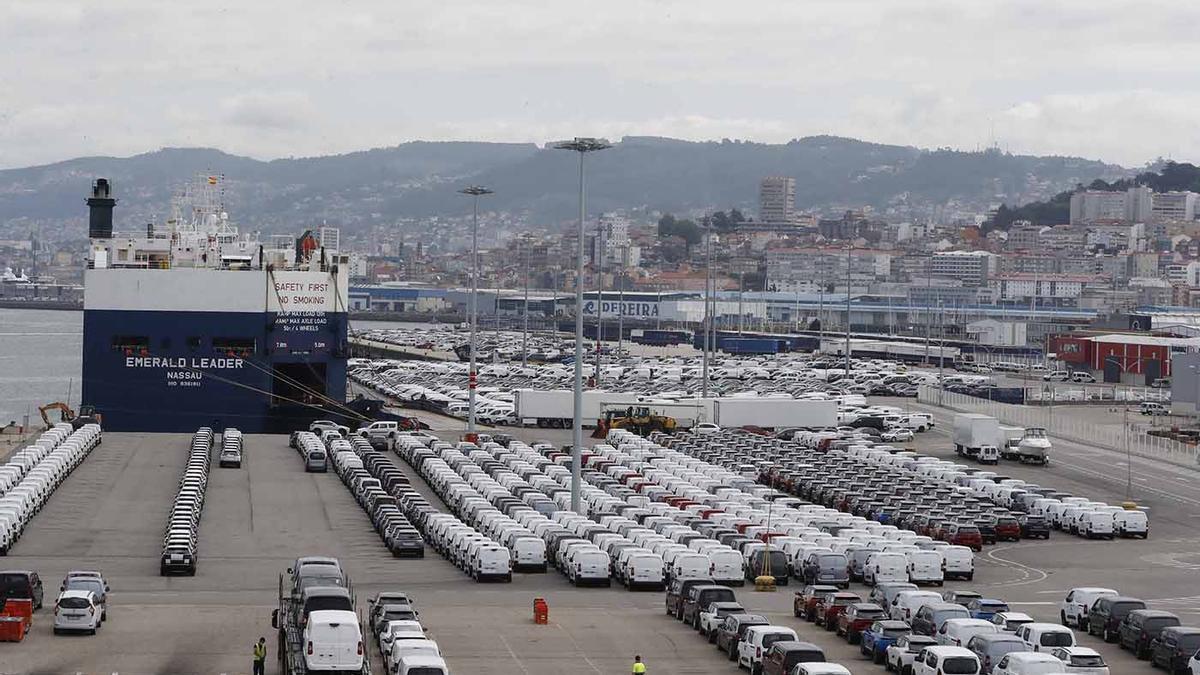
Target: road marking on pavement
x,y
513,654
1029,575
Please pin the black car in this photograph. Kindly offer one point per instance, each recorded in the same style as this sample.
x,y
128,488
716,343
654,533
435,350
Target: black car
x,y
1034,527
1107,613
1173,648
1141,627
21,585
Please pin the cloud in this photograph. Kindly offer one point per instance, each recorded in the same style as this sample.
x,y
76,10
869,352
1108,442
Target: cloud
x,y
299,77
274,111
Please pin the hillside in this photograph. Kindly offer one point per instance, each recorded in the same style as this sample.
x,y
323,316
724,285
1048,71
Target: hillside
x,y
419,179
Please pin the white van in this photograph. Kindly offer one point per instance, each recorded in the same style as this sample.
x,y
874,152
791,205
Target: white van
x,y
1154,408
1073,610
959,562
943,660
690,566
643,570
1131,524
1096,524
589,567
529,553
406,649
726,566
925,567
884,566
1043,637
906,604
988,454
492,562
958,632
334,641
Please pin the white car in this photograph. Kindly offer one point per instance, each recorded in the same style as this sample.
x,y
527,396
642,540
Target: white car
x,y
76,611
900,654
706,428
1086,661
1057,376
897,435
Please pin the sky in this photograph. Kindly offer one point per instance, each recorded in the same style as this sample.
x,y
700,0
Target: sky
x,y
1104,79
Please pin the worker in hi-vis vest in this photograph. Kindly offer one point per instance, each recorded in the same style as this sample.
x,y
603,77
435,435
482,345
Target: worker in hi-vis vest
x,y
260,655
638,666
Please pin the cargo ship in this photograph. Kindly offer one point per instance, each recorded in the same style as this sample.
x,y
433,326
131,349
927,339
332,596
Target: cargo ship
x,y
193,323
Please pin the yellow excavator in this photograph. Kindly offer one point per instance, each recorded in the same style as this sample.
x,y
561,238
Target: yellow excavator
x,y
638,419
87,414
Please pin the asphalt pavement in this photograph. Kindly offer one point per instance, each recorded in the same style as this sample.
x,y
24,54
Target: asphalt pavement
x,y
109,514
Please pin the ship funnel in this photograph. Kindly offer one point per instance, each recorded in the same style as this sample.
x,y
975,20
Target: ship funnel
x,y
100,204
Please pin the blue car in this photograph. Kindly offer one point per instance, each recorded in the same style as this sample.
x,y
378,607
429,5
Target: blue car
x,y
882,634
986,608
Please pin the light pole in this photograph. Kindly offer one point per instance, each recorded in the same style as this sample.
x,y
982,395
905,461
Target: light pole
x,y
708,310
581,146
849,248
599,299
621,300
475,192
525,313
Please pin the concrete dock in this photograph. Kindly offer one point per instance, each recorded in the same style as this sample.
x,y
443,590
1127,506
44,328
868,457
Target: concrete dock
x,y
109,515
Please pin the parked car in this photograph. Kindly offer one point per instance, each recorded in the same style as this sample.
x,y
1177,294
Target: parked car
x,y
1141,626
22,585
76,611
785,655
1073,610
1173,648
1081,660
857,618
900,655
943,660
1108,612
880,635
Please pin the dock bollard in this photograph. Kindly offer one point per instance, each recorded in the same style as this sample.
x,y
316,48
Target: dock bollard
x,y
541,612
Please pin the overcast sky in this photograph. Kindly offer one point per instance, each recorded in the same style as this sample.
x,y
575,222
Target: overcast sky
x,y
1103,79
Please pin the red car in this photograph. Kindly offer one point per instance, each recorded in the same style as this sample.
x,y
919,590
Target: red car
x,y
1008,529
805,602
966,535
857,618
831,605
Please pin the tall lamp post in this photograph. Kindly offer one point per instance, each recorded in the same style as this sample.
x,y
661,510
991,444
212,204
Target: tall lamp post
x,y
582,146
475,192
525,313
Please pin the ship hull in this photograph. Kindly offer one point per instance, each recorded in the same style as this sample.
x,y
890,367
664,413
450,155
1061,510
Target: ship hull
x,y
174,371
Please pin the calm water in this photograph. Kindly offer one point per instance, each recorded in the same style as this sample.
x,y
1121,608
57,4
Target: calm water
x,y
39,361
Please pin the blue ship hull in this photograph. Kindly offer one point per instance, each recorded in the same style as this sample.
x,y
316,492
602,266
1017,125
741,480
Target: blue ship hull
x,y
174,371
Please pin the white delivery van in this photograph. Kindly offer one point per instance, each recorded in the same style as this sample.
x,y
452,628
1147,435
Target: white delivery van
x,y
529,554
959,562
1131,524
644,570
402,649
589,567
689,566
925,567
906,604
1043,637
958,632
333,641
492,562
726,566
1096,524
884,566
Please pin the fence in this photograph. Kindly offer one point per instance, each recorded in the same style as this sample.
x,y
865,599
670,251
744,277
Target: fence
x,y
1068,427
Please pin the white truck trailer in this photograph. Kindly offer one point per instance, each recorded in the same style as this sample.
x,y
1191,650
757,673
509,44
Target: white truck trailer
x,y
976,436
773,413
555,408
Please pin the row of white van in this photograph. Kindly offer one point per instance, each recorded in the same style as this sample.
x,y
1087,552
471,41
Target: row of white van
x,y
33,473
181,535
1077,515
